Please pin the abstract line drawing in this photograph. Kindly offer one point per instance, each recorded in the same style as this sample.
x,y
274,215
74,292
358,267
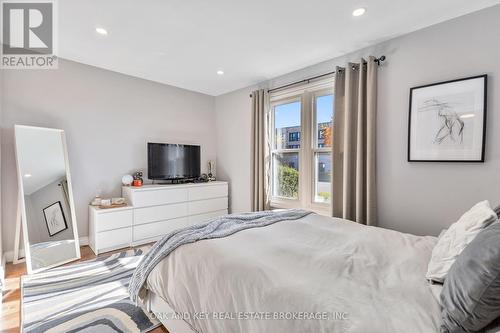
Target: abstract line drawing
x,y
447,121
452,127
54,218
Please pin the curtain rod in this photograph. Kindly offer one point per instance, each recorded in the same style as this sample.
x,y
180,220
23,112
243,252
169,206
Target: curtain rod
x,y
377,60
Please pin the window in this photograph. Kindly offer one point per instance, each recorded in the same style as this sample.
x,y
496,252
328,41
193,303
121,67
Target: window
x,y
285,157
294,136
323,115
301,147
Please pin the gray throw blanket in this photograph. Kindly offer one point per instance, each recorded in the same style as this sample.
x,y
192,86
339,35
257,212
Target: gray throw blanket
x,y
216,228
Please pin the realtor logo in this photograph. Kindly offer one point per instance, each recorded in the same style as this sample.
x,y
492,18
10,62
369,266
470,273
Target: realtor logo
x,y
28,35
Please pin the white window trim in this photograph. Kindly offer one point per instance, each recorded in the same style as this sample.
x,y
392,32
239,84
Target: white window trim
x,y
299,90
307,95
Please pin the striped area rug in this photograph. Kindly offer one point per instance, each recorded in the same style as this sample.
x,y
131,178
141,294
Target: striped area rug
x,y
89,296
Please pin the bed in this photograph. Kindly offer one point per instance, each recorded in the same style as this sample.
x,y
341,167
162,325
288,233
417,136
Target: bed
x,y
314,274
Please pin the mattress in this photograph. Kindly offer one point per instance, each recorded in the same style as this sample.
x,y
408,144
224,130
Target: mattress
x,y
316,274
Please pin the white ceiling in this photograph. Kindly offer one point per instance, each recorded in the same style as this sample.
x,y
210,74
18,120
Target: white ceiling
x,y
184,42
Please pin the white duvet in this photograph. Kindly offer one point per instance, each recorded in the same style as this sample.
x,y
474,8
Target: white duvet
x,y
337,275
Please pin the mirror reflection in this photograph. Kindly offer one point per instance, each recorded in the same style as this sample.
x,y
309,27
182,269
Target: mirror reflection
x,y
48,226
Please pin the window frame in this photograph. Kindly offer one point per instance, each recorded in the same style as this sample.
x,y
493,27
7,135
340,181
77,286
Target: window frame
x,y
307,95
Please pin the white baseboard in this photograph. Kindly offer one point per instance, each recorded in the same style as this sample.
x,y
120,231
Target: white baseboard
x,y
9,255
84,241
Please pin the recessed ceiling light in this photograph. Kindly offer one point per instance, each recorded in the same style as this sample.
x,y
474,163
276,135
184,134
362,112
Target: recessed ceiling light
x,y
220,72
359,12
467,115
101,31
28,175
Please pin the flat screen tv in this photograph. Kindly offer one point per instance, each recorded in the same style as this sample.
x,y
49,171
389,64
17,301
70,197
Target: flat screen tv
x,y
168,161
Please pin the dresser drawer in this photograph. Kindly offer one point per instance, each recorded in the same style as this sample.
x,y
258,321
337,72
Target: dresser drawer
x,y
207,192
207,206
158,229
113,220
200,218
114,238
159,197
159,213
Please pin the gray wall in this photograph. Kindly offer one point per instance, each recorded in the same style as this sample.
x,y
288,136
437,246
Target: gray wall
x,y
420,198
1,209
233,130
36,202
108,118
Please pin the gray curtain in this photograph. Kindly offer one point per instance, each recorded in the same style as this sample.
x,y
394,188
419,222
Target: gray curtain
x,y
354,186
260,151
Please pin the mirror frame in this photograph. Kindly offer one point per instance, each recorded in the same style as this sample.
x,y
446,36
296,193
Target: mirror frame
x,y
22,207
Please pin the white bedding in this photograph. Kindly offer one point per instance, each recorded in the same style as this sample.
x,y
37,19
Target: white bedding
x,y
371,279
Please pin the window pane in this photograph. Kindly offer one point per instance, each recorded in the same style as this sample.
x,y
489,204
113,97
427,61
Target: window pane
x,y
323,177
287,126
286,175
324,117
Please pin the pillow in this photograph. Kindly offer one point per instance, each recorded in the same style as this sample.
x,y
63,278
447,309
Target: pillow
x,y
471,292
456,238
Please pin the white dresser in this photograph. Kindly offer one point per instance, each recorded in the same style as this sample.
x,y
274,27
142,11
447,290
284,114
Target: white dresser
x,y
110,229
154,211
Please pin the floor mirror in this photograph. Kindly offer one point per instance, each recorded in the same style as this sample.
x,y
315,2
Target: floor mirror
x,y
46,204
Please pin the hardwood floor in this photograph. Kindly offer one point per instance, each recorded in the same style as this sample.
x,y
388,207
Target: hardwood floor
x,y
10,315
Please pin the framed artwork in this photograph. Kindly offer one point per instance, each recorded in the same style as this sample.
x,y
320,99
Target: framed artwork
x,y
447,121
55,219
